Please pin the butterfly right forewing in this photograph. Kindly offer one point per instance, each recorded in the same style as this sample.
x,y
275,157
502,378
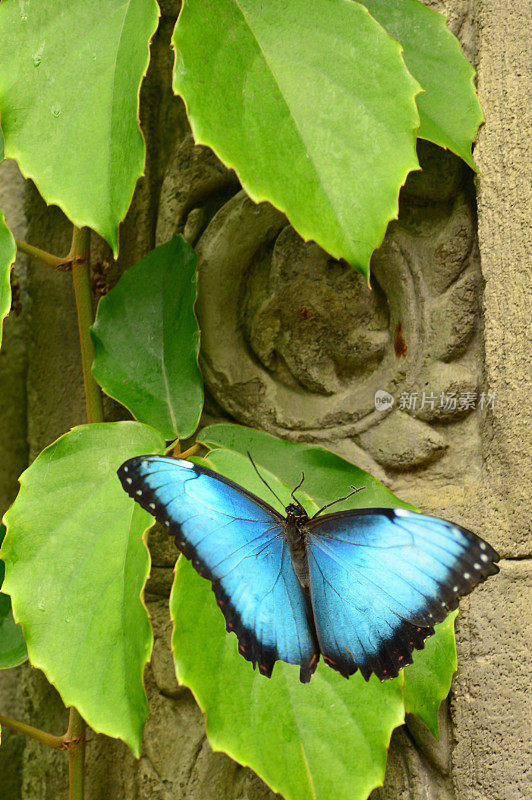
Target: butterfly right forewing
x,y
381,578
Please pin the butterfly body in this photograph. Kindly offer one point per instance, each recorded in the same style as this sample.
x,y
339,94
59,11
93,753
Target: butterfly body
x,y
293,529
362,588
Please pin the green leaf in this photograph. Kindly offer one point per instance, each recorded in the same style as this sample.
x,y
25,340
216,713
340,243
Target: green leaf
x,y
237,466
70,74
428,680
449,110
146,339
12,645
311,104
325,739
327,475
76,564
8,253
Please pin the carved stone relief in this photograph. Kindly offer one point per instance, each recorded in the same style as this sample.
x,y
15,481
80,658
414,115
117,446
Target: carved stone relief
x,y
294,342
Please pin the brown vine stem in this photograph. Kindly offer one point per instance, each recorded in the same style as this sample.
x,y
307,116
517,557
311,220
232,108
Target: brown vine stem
x,y
174,449
192,451
55,742
75,741
42,255
80,255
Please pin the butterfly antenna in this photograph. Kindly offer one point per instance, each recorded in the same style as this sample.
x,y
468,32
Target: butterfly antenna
x,y
264,482
299,485
340,500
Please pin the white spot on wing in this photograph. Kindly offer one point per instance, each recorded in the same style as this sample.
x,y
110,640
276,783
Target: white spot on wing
x,y
185,464
484,557
144,464
129,480
402,512
152,505
482,545
126,469
467,575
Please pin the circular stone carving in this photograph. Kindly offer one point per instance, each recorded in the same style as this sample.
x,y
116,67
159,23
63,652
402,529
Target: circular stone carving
x,y
310,319
295,343
292,340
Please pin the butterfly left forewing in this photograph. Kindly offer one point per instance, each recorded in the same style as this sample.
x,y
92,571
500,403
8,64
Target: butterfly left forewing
x,y
234,540
381,578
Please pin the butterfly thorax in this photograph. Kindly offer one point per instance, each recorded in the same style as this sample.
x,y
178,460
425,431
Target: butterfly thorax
x,y
294,530
296,515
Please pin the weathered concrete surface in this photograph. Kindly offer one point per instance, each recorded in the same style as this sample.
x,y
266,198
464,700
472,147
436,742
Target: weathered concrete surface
x,y
504,157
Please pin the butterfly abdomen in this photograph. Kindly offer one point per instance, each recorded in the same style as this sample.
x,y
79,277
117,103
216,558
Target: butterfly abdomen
x,y
295,539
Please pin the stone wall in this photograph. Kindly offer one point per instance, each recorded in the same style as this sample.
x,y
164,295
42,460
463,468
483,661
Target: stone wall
x,y
300,351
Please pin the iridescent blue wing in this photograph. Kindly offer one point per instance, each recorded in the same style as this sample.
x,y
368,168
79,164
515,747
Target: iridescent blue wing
x,y
381,578
236,541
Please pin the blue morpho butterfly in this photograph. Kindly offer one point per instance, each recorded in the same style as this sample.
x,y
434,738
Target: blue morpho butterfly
x,y
362,587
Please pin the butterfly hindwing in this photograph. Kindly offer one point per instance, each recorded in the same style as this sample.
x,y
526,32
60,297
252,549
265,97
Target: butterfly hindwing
x,y
381,578
235,540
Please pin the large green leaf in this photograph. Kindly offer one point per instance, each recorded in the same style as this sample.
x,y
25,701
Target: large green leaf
x,y
449,110
12,645
428,680
8,253
311,104
327,475
70,73
322,740
146,339
76,564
